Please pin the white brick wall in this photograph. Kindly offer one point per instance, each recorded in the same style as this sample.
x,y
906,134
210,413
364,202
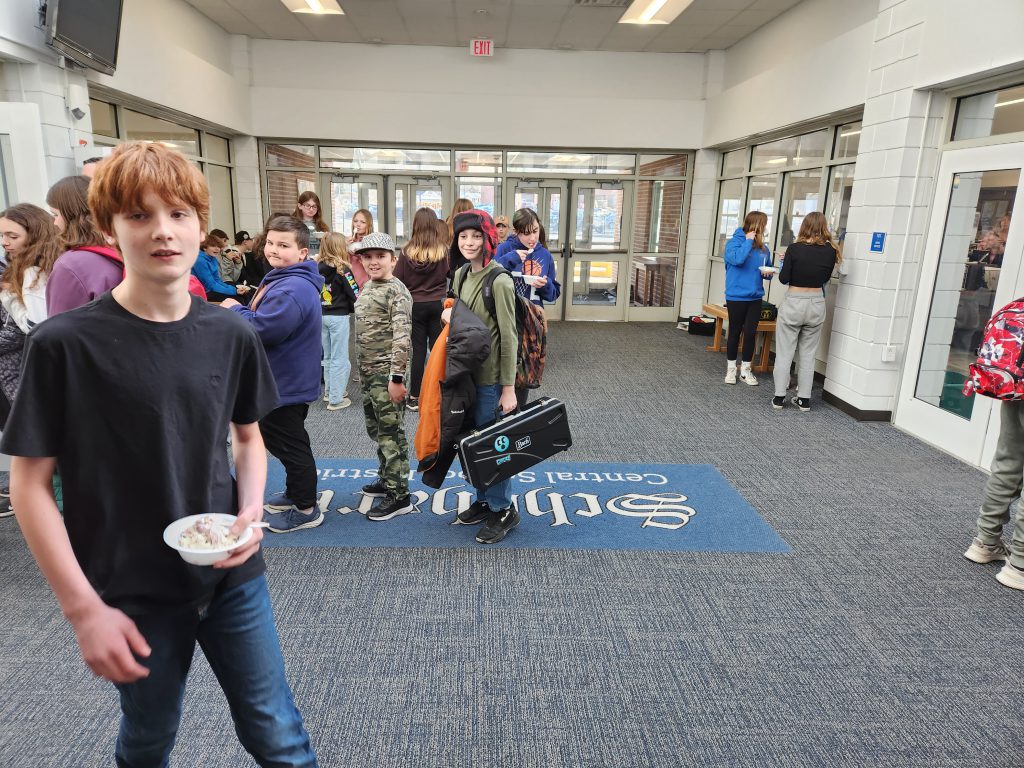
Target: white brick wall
x,y
698,231
245,151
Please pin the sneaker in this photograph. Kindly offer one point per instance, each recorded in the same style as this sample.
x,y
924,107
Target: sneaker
x,y
327,399
6,510
376,488
779,402
293,519
749,378
980,552
413,403
277,503
1011,576
390,507
478,512
730,376
803,403
345,403
498,525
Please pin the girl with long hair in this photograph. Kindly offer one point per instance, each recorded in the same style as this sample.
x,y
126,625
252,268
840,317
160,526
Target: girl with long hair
x,y
309,211
806,268
746,254
423,267
337,299
88,265
362,225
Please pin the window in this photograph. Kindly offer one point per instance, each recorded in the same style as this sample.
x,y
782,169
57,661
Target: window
x,y
285,188
104,118
478,161
653,281
216,149
990,114
796,150
734,162
837,206
569,163
658,216
730,198
663,165
848,140
761,197
222,208
386,159
800,195
484,193
291,156
140,127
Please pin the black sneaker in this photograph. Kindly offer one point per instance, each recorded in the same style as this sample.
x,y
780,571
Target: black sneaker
x,y
478,512
390,507
413,403
376,488
778,402
803,403
498,525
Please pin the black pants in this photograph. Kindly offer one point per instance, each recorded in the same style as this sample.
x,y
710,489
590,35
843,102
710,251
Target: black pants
x,y
743,318
284,434
426,327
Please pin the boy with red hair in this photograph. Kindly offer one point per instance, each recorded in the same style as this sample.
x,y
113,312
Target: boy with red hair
x,y
117,386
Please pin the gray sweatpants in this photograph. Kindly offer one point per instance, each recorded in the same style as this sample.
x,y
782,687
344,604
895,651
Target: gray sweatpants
x,y
1005,483
796,332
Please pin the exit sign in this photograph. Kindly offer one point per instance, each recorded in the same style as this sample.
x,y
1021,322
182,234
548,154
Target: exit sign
x,y
481,47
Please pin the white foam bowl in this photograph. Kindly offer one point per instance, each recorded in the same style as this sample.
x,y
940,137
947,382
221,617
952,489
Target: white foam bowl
x,y
203,556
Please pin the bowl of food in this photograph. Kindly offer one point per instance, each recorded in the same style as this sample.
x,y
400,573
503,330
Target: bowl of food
x,y
768,271
204,539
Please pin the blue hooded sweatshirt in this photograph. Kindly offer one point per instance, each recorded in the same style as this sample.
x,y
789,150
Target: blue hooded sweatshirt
x,y
743,281
508,258
207,269
287,318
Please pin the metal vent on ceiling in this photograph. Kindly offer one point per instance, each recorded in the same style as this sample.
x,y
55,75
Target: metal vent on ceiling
x,y
602,3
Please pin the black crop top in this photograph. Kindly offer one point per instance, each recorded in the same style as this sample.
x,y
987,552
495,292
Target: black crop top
x,y
807,265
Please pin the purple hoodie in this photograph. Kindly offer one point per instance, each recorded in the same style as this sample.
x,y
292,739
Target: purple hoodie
x,y
79,276
287,318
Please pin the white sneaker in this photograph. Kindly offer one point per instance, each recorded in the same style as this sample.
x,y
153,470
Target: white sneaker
x,y
1010,576
748,377
345,403
730,375
979,552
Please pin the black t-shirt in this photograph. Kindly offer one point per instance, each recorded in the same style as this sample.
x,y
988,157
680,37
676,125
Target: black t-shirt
x,y
137,414
808,265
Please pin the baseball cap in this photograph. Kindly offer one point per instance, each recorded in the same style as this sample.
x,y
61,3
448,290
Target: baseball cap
x,y
241,236
376,241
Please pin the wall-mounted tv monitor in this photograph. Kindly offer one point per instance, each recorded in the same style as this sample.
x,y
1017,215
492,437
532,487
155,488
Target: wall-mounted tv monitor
x,y
85,31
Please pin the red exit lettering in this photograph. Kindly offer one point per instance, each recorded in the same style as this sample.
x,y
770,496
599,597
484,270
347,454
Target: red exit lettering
x,y
481,48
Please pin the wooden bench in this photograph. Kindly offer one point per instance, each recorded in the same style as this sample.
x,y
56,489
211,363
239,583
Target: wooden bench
x,y
765,329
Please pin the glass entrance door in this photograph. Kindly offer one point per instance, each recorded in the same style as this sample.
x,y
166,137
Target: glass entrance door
x,y
547,197
346,194
971,266
406,195
595,285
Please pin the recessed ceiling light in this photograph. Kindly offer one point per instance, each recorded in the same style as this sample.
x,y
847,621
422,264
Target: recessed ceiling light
x,y
654,11
375,40
481,12
318,7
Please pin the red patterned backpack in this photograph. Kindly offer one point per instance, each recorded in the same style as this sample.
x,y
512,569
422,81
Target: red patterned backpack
x,y
999,372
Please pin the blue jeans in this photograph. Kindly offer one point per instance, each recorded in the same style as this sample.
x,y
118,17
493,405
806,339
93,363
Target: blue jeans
x,y
334,336
237,635
497,496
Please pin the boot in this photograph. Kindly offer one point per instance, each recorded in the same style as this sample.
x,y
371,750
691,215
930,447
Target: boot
x,y
747,376
730,372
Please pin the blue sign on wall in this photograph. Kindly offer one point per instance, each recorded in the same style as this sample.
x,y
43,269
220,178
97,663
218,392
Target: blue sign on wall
x,y
877,242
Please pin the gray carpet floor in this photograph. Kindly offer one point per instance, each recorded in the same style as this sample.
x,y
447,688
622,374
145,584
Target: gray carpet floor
x,y
874,643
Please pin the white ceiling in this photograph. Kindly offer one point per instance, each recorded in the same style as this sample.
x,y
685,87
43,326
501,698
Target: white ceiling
x,y
588,25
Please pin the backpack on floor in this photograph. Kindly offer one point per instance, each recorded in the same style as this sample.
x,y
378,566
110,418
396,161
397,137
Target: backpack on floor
x,y
531,329
999,372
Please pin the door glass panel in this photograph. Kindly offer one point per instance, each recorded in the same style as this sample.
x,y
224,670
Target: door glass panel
x,y
658,217
553,228
837,207
730,198
595,283
800,196
761,197
291,155
970,261
410,196
347,197
485,193
285,187
653,281
599,218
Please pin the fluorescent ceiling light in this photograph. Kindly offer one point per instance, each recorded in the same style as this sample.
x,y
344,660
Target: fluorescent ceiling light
x,y
777,160
1008,103
857,132
318,7
654,11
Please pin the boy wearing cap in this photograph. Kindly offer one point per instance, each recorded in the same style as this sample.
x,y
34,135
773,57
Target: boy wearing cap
x,y
285,312
383,343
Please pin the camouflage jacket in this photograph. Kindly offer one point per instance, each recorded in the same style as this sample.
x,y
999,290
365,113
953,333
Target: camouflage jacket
x,y
383,327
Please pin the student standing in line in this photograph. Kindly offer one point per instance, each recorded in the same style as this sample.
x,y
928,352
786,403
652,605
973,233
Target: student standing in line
x,y
806,268
338,300
423,268
383,339
88,267
286,315
529,260
502,228
476,240
362,225
455,258
207,269
137,609
310,213
745,254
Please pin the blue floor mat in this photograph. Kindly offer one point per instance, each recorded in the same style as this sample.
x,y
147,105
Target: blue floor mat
x,y
664,507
